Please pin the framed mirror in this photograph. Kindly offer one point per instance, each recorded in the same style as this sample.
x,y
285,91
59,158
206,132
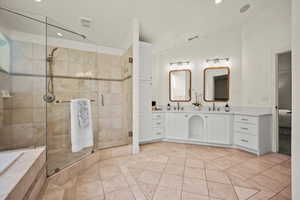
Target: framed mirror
x,y
180,85
216,84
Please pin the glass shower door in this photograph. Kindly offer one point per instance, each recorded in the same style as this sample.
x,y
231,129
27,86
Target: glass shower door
x,y
71,67
22,77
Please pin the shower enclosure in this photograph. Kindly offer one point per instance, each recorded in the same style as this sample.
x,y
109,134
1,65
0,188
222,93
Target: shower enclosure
x,y
49,65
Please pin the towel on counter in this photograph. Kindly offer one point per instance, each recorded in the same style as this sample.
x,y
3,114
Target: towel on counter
x,y
81,124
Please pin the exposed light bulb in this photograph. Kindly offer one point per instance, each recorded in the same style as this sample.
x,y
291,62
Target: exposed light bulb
x,y
218,1
60,34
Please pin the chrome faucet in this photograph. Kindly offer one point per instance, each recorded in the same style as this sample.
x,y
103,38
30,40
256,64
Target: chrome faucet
x,y
178,106
214,106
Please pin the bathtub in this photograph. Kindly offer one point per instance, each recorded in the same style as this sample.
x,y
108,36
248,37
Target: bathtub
x,y
22,173
7,159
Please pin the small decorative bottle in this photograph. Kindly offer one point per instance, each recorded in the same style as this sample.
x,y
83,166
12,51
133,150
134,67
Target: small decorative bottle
x,y
227,108
169,107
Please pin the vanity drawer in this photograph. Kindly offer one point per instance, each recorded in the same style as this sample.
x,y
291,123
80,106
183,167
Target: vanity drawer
x,y
157,123
246,140
246,119
157,116
245,128
157,132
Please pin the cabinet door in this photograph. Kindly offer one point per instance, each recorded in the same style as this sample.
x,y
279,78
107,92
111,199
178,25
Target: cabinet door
x,y
176,126
145,88
145,133
218,129
146,60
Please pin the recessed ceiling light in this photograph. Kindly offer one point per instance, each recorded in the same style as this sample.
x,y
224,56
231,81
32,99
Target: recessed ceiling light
x,y
60,34
38,0
218,1
245,8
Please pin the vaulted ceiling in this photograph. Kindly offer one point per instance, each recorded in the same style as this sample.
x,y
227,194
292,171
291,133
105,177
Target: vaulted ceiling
x,y
161,21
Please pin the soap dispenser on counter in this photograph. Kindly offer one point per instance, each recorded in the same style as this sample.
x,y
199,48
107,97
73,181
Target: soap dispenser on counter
x,y
227,108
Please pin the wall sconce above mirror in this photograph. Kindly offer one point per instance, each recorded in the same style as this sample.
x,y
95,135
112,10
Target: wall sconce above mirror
x,y
180,82
216,84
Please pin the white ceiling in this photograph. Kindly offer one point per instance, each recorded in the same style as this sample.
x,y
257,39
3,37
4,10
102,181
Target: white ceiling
x,y
162,21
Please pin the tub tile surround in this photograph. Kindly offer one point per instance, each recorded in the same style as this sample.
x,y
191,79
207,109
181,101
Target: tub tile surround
x,y
175,171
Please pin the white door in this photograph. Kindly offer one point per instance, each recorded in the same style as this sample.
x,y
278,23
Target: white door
x,y
218,129
176,126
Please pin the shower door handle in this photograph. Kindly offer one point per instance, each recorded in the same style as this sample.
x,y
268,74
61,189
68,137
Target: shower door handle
x,y
102,99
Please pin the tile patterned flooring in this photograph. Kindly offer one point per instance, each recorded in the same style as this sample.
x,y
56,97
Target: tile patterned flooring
x,y
170,171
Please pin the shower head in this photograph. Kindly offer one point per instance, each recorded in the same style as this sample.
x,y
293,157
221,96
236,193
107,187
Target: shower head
x,y
53,51
51,55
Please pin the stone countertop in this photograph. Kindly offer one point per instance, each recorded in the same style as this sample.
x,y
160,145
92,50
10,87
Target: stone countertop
x,y
249,112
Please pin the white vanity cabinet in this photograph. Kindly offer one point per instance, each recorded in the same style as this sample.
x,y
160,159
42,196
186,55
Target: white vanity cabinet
x,y
219,128
158,125
176,126
253,133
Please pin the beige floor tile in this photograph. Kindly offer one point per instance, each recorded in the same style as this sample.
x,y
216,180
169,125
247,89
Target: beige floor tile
x,y
179,171
279,197
275,158
109,171
174,169
269,183
160,159
195,185
124,194
287,192
192,172
135,172
196,163
89,190
53,193
114,183
138,193
155,166
149,177
148,190
176,160
224,162
256,165
222,191
282,170
171,181
277,176
240,172
262,195
191,196
217,176
287,164
163,193
244,193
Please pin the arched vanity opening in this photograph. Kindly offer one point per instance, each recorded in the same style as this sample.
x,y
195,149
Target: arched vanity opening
x,y
196,127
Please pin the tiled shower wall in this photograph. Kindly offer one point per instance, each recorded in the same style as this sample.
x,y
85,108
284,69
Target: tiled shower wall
x,y
78,74
23,115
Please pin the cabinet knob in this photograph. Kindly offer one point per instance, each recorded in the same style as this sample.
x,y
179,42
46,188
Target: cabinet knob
x,y
244,140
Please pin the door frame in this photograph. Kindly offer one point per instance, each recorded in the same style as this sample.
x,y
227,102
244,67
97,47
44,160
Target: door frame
x,y
275,54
